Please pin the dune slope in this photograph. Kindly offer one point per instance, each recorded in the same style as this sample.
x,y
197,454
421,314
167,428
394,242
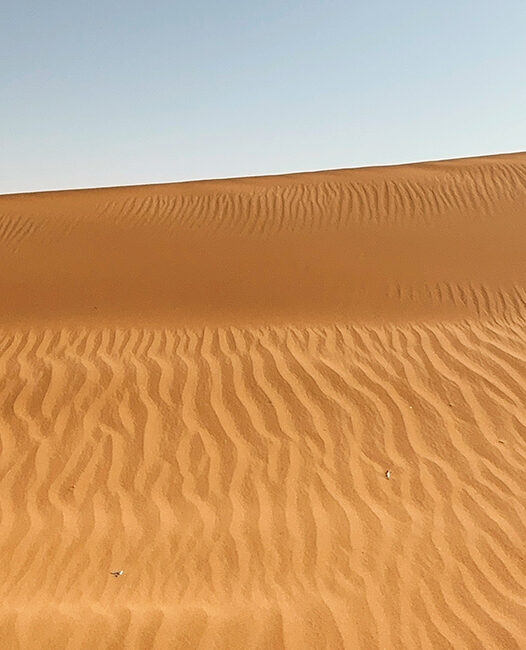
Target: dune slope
x,y
290,409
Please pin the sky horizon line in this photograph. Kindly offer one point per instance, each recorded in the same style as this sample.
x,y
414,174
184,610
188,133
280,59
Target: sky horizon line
x,y
269,175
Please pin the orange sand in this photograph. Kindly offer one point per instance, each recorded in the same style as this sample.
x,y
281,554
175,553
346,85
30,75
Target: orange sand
x,y
203,385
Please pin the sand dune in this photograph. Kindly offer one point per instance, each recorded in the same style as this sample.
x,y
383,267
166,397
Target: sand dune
x,y
204,384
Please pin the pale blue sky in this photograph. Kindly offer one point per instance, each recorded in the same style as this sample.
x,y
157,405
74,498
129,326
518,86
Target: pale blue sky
x,y
102,92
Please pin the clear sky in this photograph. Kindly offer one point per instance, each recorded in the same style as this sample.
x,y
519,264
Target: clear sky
x,y
102,92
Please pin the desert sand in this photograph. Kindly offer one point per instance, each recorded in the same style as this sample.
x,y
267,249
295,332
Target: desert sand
x,y
290,409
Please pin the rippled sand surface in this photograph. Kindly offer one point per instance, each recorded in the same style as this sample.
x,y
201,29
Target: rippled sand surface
x,y
291,410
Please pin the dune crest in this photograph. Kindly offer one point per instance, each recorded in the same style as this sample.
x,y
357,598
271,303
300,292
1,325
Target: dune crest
x,y
289,409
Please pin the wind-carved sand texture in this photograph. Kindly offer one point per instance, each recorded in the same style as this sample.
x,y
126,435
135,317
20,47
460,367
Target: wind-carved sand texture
x,y
291,410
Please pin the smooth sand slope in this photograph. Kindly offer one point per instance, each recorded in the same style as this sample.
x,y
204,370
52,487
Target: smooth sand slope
x,y
204,384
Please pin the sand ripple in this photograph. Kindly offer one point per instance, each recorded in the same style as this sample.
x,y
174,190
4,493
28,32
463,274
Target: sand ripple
x,y
237,476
